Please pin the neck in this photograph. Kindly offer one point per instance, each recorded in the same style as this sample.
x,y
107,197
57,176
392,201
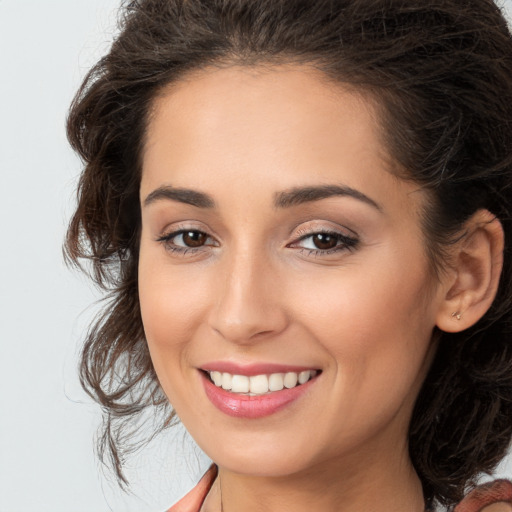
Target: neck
x,y
354,484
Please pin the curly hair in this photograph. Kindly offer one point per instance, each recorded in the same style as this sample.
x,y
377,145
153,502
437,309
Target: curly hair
x,y
440,72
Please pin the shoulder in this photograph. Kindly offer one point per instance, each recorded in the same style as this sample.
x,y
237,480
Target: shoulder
x,y
491,497
192,501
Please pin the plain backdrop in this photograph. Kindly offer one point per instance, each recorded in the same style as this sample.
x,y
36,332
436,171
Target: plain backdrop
x,y
46,421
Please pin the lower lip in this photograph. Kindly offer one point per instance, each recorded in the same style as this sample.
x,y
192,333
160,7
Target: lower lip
x,y
256,406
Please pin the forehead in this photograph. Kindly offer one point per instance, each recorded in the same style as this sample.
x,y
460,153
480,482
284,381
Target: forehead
x,y
287,97
285,125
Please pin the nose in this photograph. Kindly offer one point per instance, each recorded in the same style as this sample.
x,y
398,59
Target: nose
x,y
249,305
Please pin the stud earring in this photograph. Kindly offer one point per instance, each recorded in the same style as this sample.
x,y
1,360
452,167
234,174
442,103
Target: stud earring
x,y
456,315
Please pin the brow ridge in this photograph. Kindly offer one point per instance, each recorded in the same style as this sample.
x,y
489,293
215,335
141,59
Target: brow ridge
x,y
300,195
181,195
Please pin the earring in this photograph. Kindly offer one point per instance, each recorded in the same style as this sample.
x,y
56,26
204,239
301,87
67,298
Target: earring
x,y
456,315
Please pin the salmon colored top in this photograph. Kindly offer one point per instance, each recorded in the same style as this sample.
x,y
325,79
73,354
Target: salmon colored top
x,y
478,500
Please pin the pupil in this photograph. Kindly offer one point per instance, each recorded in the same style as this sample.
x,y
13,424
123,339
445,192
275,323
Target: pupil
x,y
194,238
324,241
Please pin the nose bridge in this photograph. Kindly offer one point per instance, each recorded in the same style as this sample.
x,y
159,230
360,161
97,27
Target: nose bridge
x,y
247,304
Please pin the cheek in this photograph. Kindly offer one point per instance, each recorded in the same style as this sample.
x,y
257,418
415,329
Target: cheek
x,y
172,304
363,300
375,324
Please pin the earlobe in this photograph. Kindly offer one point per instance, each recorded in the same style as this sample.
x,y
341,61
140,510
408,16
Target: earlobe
x,y
477,262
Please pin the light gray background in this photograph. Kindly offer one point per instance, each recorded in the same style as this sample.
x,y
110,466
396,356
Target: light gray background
x,y
46,421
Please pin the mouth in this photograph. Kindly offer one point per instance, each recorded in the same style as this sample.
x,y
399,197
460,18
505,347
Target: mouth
x,y
257,385
259,394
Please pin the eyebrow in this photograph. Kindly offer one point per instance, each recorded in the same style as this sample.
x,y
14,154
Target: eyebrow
x,y
181,195
301,195
285,199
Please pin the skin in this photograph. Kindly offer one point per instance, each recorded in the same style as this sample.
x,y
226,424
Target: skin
x,y
256,291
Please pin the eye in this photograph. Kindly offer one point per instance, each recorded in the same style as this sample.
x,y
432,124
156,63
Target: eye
x,y
190,239
186,240
322,241
325,242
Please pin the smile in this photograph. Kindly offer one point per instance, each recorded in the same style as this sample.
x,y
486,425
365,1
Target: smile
x,y
259,394
260,384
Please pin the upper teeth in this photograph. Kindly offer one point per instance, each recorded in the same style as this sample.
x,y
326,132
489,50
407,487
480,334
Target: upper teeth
x,y
260,384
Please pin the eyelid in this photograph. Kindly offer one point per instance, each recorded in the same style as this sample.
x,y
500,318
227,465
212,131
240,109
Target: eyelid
x,y
310,228
184,226
175,233
170,233
345,242
340,236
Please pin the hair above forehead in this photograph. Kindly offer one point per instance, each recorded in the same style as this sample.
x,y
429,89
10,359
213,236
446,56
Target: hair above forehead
x,y
428,63
440,72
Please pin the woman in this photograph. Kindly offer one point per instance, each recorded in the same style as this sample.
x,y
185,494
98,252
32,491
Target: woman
x,y
302,212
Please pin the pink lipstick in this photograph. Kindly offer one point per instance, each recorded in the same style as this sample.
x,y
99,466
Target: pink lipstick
x,y
256,390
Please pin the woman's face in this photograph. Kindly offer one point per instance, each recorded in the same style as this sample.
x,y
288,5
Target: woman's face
x,y
276,244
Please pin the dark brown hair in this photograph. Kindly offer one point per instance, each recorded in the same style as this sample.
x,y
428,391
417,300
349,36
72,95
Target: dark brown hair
x,y
441,73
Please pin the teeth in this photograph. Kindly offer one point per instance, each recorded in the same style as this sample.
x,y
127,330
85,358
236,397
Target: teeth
x,y
260,384
227,378
276,382
304,376
240,384
290,380
217,378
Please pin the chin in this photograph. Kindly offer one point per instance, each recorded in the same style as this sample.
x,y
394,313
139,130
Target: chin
x,y
261,463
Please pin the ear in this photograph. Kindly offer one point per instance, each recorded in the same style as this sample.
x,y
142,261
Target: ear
x,y
472,282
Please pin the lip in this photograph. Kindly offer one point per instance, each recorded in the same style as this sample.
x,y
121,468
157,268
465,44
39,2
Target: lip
x,y
256,406
250,370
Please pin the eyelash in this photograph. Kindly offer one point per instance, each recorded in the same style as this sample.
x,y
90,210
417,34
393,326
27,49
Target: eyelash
x,y
343,242
167,241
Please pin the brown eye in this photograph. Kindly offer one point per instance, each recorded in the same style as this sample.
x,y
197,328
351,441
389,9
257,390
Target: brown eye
x,y
186,239
194,238
324,241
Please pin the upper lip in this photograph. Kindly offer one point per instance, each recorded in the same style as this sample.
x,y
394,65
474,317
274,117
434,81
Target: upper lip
x,y
253,368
